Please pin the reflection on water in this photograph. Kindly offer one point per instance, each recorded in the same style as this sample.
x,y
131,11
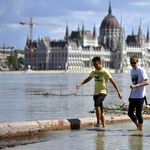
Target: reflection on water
x,y
117,137
20,102
16,141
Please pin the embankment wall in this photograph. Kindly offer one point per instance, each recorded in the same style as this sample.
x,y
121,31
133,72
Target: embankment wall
x,y
36,127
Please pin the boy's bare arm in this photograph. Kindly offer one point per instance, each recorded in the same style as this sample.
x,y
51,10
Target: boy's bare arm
x,y
146,82
116,87
85,81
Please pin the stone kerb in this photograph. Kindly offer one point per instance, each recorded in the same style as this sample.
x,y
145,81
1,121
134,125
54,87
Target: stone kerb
x,y
36,127
111,120
146,117
53,125
125,118
18,129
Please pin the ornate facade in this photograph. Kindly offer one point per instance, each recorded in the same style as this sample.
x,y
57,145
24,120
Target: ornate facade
x,y
75,51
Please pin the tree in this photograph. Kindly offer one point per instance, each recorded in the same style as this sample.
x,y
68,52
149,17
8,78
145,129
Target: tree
x,y
20,63
21,60
11,61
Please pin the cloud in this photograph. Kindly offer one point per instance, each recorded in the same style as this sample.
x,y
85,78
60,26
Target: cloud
x,y
2,10
81,15
92,2
13,26
140,3
58,33
10,11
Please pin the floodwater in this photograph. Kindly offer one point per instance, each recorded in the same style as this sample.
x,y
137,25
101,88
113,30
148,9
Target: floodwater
x,y
22,99
121,136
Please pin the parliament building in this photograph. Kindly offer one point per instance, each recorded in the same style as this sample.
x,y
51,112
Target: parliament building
x,y
75,52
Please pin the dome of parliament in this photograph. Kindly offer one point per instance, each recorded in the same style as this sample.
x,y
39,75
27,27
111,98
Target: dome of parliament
x,y
109,22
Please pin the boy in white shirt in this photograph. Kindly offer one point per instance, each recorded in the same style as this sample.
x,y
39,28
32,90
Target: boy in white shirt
x,y
136,99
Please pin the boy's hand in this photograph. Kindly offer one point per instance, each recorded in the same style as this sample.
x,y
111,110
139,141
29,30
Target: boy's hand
x,y
132,86
78,86
120,96
129,99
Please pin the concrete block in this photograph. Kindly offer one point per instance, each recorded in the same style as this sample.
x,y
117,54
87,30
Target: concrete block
x,y
86,122
146,116
125,118
54,125
18,129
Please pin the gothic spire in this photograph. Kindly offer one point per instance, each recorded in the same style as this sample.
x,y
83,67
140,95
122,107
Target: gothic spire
x,y
67,30
147,38
94,30
38,38
83,26
78,27
140,34
121,33
140,23
121,23
140,27
109,10
83,31
132,31
27,43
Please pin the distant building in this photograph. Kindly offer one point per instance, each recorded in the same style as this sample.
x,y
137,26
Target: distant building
x,y
75,51
71,53
16,53
3,56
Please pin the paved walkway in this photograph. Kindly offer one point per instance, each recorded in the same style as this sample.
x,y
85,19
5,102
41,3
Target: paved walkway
x,y
36,127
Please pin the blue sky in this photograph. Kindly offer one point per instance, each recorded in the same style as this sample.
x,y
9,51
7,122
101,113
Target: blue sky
x,y
12,12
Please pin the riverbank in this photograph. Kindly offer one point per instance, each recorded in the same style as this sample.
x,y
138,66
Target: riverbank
x,y
51,71
44,72
32,72
57,71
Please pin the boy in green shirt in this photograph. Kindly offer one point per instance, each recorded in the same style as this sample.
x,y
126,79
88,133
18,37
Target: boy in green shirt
x,y
101,78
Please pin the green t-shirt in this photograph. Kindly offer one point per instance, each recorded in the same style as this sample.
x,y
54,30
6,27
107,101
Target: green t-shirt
x,y
101,78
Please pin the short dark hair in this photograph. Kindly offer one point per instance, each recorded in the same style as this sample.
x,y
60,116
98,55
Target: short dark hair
x,y
134,58
96,59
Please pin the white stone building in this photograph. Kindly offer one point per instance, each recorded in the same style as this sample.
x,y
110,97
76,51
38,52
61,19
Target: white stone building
x,y
75,51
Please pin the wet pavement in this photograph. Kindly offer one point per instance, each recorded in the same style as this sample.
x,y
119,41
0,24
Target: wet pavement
x,y
122,136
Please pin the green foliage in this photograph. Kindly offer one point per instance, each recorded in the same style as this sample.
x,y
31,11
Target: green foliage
x,y
39,132
30,134
21,60
11,61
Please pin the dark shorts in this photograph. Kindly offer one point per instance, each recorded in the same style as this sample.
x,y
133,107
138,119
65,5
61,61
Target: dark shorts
x,y
98,101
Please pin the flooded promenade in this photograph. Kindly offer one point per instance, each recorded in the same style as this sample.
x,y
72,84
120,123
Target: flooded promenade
x,y
122,136
22,99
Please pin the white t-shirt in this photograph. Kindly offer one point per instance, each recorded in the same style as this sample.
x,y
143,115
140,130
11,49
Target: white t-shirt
x,y
138,76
